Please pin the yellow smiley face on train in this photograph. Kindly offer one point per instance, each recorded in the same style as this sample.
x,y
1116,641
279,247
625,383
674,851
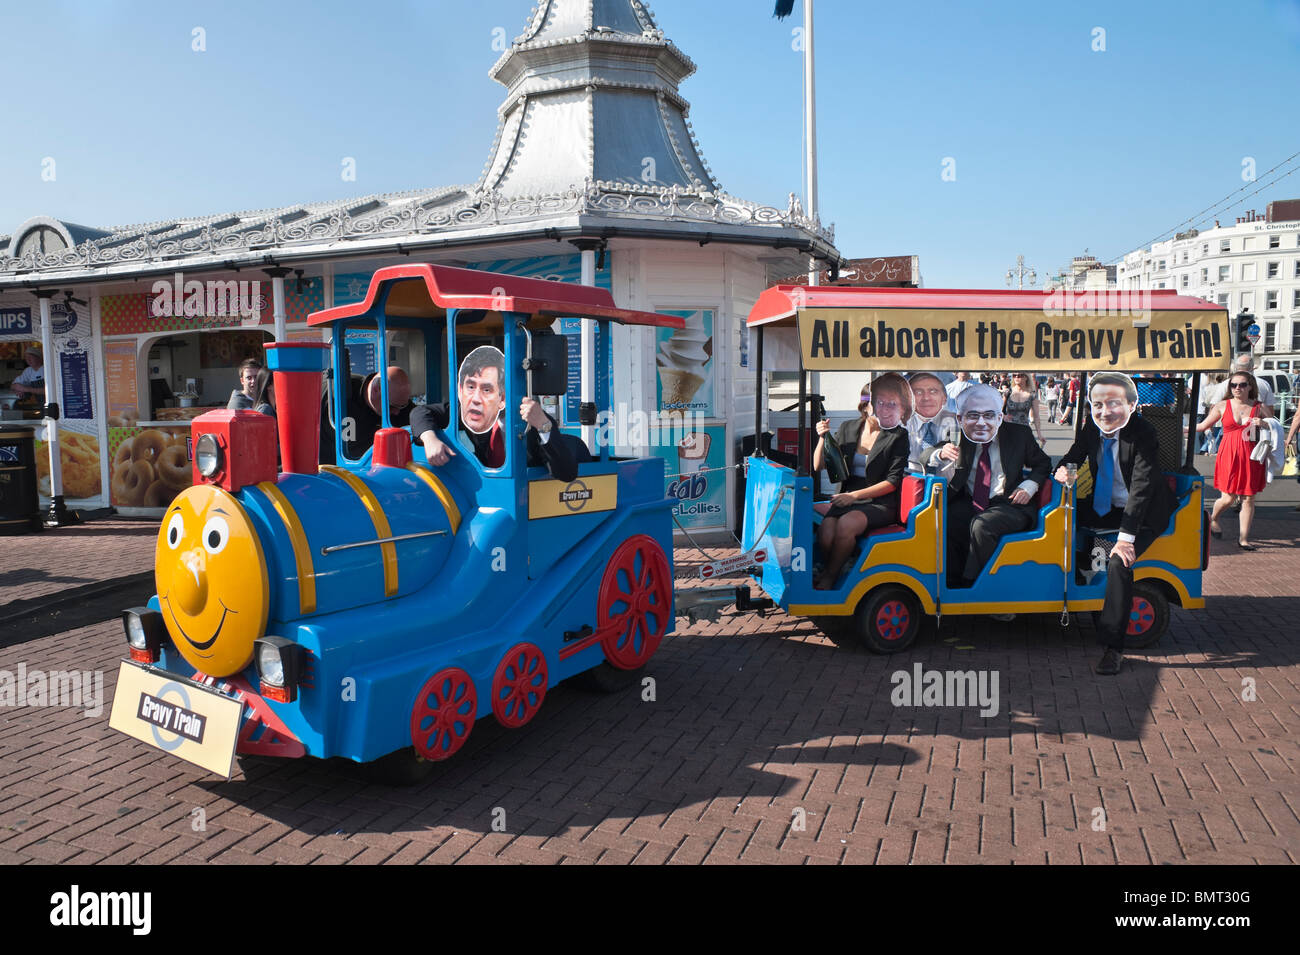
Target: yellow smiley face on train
x,y
212,581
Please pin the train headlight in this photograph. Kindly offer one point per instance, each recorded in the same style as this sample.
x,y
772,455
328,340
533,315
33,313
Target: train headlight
x,y
144,633
207,455
280,665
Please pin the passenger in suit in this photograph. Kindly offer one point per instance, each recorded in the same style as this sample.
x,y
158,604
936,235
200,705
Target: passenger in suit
x,y
999,467
1128,492
481,397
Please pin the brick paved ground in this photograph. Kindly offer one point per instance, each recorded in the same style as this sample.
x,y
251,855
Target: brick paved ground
x,y
42,568
756,723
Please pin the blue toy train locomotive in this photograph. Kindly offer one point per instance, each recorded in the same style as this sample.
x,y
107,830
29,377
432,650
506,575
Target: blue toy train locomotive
x,y
380,607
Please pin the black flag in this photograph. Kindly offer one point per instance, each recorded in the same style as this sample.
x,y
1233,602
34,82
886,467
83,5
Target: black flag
x,y
783,9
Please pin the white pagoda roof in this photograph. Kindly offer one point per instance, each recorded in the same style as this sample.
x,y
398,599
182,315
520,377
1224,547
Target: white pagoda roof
x,y
593,141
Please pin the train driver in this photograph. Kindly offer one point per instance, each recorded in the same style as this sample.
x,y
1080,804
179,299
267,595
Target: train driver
x,y
369,417
480,393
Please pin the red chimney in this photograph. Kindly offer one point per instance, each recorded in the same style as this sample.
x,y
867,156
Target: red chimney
x,y
297,367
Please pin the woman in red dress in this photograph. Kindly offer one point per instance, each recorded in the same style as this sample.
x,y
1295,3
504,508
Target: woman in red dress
x,y
1235,474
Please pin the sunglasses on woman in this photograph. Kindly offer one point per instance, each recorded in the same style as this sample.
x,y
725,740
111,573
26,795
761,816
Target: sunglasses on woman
x,y
1240,384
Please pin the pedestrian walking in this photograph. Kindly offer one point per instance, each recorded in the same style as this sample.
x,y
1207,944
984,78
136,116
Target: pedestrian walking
x,y
1021,405
1209,387
1290,439
1236,475
1052,395
1071,397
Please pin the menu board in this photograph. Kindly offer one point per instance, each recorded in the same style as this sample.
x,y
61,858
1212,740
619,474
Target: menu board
x,y
119,375
363,350
74,374
571,329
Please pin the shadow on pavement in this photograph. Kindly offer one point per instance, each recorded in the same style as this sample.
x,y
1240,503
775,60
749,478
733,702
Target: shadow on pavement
x,y
782,714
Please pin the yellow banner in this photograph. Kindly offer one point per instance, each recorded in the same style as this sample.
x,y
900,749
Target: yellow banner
x,y
586,495
1066,338
195,724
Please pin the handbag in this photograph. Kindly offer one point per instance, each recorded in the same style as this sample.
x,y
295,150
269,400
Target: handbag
x,y
1292,466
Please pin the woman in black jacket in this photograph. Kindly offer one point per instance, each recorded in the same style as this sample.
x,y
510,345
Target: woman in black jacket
x,y
877,460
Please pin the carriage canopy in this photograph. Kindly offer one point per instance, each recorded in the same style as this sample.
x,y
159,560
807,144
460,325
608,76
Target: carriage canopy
x,y
887,329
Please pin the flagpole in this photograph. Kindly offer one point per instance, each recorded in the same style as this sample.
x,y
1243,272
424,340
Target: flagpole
x,y
810,153
810,126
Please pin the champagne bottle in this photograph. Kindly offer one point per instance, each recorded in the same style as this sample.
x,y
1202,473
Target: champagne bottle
x,y
837,469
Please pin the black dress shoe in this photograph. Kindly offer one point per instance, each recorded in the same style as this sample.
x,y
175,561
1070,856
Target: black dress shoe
x,y
1111,661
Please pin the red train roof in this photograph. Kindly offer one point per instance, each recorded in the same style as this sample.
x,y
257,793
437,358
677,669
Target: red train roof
x,y
439,287
783,301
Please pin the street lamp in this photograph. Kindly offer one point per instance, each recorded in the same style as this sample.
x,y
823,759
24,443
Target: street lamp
x,y
1019,273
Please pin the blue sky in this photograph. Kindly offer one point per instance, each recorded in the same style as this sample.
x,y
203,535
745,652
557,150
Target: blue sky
x,y
1057,148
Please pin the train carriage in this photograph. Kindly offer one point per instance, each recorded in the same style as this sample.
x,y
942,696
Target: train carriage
x,y
898,572
379,606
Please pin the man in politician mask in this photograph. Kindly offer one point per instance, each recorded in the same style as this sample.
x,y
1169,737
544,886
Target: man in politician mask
x,y
999,468
931,423
1125,490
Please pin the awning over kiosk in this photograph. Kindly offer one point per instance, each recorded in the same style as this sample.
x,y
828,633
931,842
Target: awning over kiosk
x,y
884,329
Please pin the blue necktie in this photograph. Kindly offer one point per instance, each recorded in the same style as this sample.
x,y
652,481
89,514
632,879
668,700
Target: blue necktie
x,y
1104,490
928,436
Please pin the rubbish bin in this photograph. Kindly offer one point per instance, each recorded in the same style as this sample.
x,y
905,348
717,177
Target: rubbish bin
x,y
19,508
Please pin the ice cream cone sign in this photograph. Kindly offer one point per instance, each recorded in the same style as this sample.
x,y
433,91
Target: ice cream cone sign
x,y
682,361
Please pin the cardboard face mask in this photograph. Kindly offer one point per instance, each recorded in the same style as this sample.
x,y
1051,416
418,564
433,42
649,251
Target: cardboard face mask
x,y
480,390
928,395
891,400
1112,399
980,413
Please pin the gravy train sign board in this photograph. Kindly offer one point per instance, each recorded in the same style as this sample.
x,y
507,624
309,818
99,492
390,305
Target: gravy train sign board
x,y
838,339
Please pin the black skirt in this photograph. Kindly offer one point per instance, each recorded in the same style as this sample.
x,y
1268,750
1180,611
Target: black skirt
x,y
880,511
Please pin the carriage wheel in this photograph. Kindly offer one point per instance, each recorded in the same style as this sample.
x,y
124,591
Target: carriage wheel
x,y
888,619
636,600
519,685
444,713
1148,617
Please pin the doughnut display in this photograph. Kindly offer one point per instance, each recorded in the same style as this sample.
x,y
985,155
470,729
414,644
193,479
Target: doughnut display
x,y
118,484
126,419
158,495
148,446
174,467
137,479
123,455
150,467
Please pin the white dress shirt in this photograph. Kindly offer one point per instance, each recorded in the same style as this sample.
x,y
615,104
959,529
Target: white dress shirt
x,y
921,451
997,478
1119,489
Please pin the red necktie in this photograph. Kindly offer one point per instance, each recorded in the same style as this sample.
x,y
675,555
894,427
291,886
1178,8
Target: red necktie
x,y
496,448
983,478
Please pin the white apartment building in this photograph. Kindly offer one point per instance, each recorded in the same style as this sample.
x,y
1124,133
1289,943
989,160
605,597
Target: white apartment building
x,y
1251,265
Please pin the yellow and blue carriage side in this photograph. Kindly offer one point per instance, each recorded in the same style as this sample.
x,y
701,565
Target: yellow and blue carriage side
x,y
898,572
381,605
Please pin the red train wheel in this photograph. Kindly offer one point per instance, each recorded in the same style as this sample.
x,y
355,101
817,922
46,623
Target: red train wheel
x,y
519,685
444,713
888,619
1141,617
635,602
1148,616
